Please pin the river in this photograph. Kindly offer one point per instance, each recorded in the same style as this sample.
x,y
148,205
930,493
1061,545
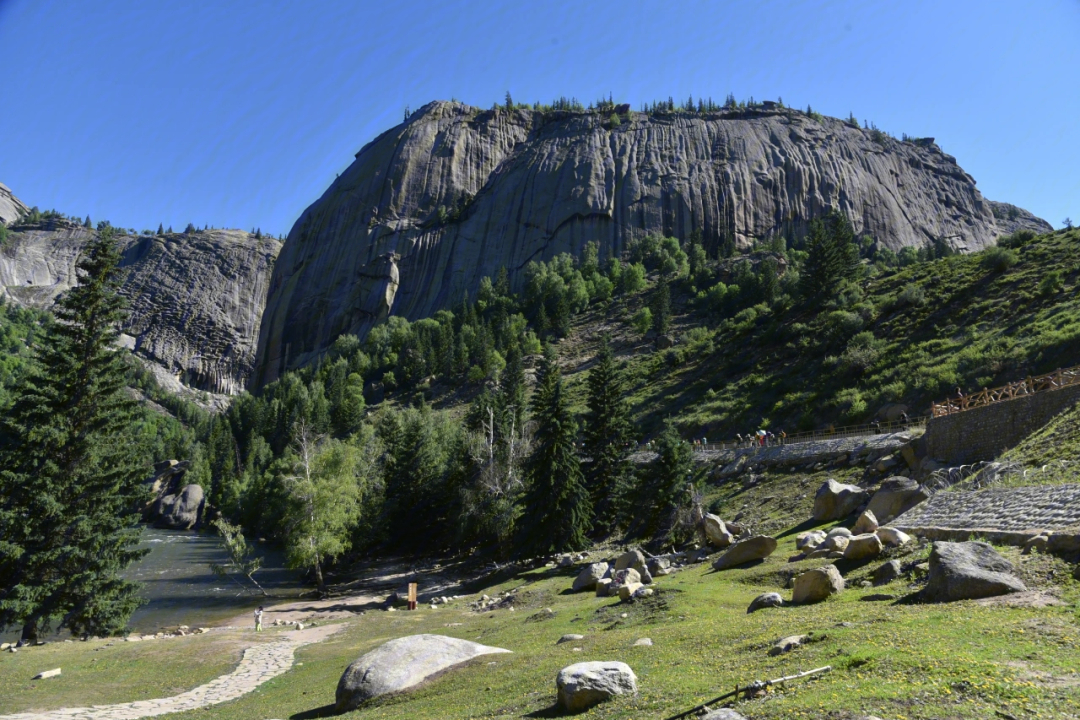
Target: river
x,y
180,589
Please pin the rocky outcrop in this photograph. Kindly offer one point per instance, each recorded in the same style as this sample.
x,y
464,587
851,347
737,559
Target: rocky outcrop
x,y
753,548
817,585
11,207
455,193
1010,218
196,300
834,500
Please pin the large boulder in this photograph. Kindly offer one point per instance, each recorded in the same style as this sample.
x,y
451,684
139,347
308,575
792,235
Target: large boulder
x,y
181,511
967,571
866,523
757,547
896,496
633,559
716,532
809,540
863,546
401,664
834,500
767,600
886,573
892,537
621,578
629,590
658,566
582,685
589,575
723,714
816,585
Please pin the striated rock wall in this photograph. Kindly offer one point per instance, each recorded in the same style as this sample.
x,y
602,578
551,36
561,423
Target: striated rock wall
x,y
196,300
520,186
11,207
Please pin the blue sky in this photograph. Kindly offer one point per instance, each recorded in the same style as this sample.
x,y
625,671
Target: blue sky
x,y
239,114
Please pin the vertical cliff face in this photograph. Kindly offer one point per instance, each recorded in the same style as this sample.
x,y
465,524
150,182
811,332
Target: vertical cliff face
x,y
11,208
196,300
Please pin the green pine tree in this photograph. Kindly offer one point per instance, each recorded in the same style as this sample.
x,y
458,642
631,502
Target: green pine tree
x,y
666,480
556,499
661,307
608,438
832,256
71,477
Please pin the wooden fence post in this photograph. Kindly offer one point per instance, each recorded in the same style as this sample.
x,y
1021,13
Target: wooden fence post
x,y
412,596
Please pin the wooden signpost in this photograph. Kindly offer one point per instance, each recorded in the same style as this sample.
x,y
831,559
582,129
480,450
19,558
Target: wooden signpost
x,y
412,596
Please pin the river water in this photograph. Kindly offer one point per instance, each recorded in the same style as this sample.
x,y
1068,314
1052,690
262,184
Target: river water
x,y
180,588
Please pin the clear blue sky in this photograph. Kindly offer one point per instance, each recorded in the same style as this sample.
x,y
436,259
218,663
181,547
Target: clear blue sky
x,y
239,114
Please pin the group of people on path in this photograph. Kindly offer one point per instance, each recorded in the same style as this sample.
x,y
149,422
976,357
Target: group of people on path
x,y
762,438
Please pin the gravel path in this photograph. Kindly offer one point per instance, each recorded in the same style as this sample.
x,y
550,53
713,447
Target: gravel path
x,y
259,664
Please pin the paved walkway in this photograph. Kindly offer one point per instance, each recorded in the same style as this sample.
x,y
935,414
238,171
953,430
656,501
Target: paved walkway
x,y
259,664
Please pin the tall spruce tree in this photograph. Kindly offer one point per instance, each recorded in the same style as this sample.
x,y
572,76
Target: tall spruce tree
x,y
71,476
666,480
608,435
557,502
832,256
661,307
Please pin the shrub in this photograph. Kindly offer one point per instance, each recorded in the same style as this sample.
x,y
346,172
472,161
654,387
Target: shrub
x,y
1017,239
841,324
913,295
642,321
1050,283
999,259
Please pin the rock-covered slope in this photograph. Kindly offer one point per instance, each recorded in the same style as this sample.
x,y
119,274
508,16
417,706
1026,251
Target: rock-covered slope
x,y
196,299
516,186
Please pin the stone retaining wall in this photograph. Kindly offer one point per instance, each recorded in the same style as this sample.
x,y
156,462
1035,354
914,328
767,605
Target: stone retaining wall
x,y
984,433
1003,515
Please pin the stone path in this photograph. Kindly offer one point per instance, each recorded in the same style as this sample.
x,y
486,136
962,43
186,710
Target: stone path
x,y
259,664
1014,509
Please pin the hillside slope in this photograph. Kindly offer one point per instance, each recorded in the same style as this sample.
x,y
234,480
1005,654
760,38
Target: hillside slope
x,y
455,193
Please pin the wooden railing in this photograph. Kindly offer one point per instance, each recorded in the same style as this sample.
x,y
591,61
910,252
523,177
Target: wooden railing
x,y
1053,381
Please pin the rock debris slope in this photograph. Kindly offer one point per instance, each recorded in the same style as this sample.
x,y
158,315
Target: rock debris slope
x,y
196,299
454,193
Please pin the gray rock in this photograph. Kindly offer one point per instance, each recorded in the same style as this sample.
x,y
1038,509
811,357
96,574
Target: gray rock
x,y
860,547
866,523
46,674
570,637
589,575
968,571
835,501
886,573
892,537
839,531
632,559
658,566
373,244
1038,544
626,576
11,207
196,300
181,511
816,585
767,600
785,645
722,714
896,496
629,590
583,685
643,642
603,587
809,540
837,542
716,532
757,547
401,664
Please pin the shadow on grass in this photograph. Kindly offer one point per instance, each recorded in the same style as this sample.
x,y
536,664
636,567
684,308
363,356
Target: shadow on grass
x,y
552,711
323,712
801,527
740,566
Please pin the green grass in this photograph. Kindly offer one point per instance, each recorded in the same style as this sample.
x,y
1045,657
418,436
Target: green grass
x,y
100,672
894,660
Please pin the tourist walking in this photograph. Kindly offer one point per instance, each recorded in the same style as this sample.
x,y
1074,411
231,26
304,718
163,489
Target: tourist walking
x,y
258,619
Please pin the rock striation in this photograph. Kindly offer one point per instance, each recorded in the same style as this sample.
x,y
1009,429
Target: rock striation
x,y
196,300
455,193
11,207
